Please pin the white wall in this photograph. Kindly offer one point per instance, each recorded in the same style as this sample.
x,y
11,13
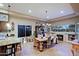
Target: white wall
x,y
21,21
66,21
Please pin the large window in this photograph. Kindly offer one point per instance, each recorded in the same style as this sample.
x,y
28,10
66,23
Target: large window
x,y
21,30
63,28
24,30
28,30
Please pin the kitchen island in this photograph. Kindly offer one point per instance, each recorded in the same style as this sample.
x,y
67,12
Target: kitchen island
x,y
8,46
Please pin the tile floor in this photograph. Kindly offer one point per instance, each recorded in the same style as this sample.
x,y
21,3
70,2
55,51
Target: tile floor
x,y
60,49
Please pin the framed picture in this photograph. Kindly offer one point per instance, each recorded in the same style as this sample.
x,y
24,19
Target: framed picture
x,y
3,17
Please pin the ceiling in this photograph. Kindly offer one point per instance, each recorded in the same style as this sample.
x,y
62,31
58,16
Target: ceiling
x,y
43,11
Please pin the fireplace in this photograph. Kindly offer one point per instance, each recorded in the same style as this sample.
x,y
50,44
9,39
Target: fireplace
x,y
60,37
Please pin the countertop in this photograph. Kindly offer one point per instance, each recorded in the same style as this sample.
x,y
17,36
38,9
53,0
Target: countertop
x,y
42,39
9,41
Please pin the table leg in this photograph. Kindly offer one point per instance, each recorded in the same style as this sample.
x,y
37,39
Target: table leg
x,y
47,44
41,46
35,43
72,52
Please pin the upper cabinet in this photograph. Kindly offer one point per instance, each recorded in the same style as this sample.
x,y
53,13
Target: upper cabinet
x,y
3,17
3,26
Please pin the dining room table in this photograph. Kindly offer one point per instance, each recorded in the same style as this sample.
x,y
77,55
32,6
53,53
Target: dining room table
x,y
41,40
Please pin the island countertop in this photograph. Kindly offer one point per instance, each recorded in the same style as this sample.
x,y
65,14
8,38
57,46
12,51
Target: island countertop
x,y
9,41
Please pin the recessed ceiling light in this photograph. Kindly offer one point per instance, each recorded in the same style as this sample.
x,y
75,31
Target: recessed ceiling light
x,y
29,10
1,5
61,11
77,23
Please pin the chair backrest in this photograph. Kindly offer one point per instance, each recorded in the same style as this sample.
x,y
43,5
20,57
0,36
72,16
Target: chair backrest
x,y
49,38
52,37
40,36
55,38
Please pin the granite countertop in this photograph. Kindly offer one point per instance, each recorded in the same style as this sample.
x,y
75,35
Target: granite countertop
x,y
42,39
9,41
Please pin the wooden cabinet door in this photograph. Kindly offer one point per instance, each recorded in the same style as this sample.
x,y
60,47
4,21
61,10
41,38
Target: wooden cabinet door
x,y
3,26
0,27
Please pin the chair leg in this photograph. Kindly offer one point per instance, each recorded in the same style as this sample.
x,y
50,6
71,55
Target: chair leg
x,y
72,52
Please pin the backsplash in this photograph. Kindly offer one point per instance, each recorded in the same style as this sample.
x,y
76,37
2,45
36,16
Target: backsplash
x,y
2,36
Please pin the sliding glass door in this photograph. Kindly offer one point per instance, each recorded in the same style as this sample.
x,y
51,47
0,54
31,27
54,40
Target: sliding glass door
x,y
24,30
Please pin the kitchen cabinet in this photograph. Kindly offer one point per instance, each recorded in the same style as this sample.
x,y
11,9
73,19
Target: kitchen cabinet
x,y
3,26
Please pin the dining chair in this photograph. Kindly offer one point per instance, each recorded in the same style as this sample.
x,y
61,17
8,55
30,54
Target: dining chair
x,y
52,38
37,44
45,42
75,49
40,36
18,46
49,42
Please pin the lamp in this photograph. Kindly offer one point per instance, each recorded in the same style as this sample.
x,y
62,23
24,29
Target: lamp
x,y
8,26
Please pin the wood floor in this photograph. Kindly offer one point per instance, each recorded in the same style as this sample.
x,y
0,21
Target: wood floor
x,y
60,49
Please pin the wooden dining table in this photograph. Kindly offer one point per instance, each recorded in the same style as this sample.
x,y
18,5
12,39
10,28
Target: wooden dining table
x,y
8,42
41,40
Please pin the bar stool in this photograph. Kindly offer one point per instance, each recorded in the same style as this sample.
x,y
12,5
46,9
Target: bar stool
x,y
18,47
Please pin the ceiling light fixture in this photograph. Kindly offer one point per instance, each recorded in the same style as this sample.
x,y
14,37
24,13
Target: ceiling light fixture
x,y
62,12
46,14
1,5
29,10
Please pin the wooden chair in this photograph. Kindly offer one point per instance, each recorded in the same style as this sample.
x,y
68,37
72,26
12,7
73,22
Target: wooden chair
x,y
45,44
75,49
18,47
52,38
49,42
36,43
